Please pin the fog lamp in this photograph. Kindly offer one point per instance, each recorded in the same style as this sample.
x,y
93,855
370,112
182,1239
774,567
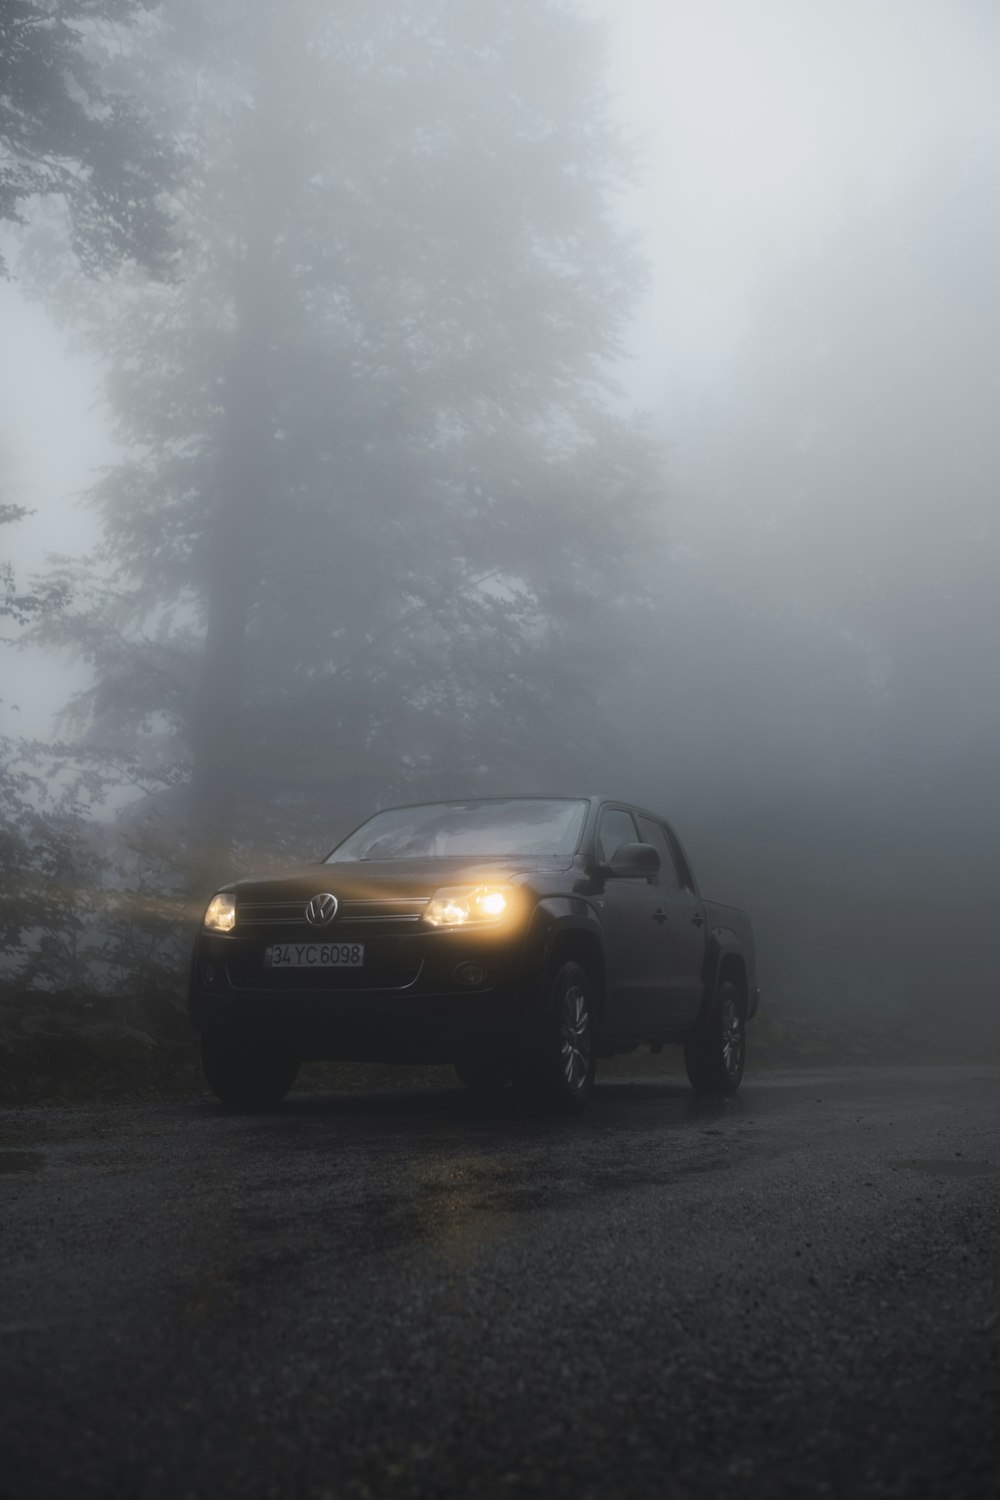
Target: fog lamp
x,y
471,973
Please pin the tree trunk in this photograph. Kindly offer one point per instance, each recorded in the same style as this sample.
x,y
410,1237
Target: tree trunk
x,y
217,729
218,740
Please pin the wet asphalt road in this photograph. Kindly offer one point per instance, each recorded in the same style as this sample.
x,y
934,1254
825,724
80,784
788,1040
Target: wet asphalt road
x,y
399,1294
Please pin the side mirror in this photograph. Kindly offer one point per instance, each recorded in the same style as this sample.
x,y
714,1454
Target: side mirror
x,y
634,860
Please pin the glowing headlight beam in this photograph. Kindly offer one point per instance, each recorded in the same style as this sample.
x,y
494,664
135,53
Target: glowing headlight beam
x,y
460,906
491,903
220,915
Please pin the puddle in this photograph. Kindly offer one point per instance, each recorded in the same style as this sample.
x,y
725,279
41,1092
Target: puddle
x,y
949,1166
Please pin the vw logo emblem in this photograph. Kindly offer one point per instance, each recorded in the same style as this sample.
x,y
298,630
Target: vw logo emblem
x,y
321,909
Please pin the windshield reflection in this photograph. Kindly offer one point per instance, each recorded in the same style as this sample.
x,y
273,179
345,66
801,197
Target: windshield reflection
x,y
497,829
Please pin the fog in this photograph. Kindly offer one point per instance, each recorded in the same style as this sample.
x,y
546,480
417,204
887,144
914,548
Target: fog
x,y
495,432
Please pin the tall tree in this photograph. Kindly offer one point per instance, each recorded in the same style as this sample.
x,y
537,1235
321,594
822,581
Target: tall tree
x,y
67,131
374,481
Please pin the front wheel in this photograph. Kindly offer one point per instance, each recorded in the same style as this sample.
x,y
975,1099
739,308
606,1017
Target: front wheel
x,y
715,1055
559,1071
247,1074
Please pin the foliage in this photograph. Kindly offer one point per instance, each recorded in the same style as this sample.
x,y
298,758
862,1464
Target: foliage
x,y
94,922
65,132
45,598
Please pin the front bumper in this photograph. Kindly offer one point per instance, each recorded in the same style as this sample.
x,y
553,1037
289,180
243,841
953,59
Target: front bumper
x,y
405,1005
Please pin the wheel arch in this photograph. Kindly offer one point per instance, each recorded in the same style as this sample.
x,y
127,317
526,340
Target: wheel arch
x,y
564,931
726,965
732,969
576,945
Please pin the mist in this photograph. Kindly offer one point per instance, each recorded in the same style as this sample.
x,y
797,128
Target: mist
x,y
601,399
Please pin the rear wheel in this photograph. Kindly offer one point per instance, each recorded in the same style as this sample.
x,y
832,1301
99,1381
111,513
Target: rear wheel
x,y
247,1074
715,1055
559,1072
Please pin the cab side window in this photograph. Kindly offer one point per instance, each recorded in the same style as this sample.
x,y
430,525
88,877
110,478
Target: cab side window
x,y
653,833
615,828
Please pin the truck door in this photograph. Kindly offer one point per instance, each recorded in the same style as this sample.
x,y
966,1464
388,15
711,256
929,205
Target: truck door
x,y
683,932
636,969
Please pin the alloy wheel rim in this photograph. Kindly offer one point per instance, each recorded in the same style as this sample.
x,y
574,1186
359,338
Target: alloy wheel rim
x,y
575,1037
732,1038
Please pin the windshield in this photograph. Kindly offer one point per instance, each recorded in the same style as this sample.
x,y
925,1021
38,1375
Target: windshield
x,y
519,826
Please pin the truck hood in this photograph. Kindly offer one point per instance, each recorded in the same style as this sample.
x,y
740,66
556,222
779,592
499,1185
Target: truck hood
x,y
381,879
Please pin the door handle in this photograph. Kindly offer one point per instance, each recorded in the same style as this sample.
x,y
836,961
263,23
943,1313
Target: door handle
x,y
698,921
659,916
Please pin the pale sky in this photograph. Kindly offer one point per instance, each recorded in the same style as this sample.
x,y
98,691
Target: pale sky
x,y
767,123
54,433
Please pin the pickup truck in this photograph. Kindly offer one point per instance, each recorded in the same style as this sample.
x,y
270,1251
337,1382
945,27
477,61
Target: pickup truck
x,y
518,938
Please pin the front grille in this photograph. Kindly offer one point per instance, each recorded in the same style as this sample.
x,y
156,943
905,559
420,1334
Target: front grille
x,y
293,913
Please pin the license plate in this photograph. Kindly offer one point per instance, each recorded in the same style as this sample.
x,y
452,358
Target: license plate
x,y
315,955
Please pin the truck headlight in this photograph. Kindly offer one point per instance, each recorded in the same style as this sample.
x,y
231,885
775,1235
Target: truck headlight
x,y
461,906
221,913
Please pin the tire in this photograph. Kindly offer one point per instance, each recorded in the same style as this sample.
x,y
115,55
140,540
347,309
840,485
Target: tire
x,y
715,1054
483,1076
558,1073
247,1074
